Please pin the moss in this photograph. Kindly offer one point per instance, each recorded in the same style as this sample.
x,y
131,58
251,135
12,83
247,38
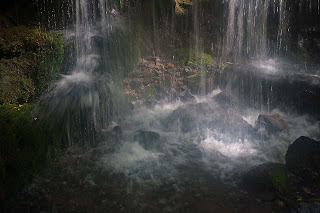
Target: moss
x,y
150,91
48,68
278,178
30,61
193,58
24,146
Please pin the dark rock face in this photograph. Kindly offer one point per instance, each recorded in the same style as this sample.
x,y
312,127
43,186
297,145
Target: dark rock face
x,y
271,123
303,158
147,139
271,177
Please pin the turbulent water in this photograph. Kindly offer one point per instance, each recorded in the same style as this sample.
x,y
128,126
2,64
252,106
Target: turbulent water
x,y
158,156
219,148
210,134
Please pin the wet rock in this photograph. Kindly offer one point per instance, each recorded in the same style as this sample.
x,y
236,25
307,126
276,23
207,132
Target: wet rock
x,y
201,116
271,123
151,103
147,139
186,96
269,177
303,158
185,117
223,98
308,208
116,134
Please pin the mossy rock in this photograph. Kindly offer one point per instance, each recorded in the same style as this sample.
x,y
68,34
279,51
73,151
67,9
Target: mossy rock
x,y
30,62
191,57
24,147
269,177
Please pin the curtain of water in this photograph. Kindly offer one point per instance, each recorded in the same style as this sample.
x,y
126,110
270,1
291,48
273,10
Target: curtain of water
x,y
83,102
246,31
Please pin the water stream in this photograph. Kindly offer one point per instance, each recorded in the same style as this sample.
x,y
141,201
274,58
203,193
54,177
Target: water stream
x,y
160,155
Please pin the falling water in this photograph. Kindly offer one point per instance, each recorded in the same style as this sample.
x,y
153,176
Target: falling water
x,y
85,100
246,32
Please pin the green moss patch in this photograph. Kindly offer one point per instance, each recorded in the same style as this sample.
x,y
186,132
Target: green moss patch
x,y
24,146
191,57
268,177
30,60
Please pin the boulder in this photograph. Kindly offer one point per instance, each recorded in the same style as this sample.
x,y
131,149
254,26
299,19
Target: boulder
x,y
147,139
271,123
303,158
223,98
187,117
268,177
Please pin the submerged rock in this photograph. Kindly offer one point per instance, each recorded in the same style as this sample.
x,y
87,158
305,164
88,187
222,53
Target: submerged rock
x,y
270,177
303,158
271,123
147,139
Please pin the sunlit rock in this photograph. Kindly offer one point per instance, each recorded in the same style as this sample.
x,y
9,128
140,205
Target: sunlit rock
x,y
271,123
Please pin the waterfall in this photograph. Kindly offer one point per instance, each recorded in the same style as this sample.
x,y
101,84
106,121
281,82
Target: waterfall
x,y
85,100
246,31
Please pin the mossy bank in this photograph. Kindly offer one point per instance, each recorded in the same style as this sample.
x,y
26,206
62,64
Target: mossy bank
x,y
30,61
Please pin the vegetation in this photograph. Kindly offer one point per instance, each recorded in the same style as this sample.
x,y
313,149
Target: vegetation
x,y
23,147
191,57
30,60
278,178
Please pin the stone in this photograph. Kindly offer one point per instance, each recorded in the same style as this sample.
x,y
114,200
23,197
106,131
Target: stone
x,y
147,139
303,159
186,96
116,134
268,177
197,117
271,123
223,98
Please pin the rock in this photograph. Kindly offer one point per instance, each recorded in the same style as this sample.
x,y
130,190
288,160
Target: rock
x,y
185,117
309,207
271,123
186,96
303,158
116,134
200,116
269,177
147,139
223,98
